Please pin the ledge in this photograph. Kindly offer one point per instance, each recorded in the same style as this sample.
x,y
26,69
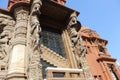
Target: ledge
x,y
106,58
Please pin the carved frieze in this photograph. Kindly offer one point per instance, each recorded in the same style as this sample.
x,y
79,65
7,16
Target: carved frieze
x,y
7,26
7,23
21,15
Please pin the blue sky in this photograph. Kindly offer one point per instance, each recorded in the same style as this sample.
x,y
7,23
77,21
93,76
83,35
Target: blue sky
x,y
102,16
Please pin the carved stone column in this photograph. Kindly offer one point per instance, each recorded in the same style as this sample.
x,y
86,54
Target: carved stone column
x,y
17,68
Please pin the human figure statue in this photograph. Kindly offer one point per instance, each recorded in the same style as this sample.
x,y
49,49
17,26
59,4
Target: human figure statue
x,y
3,44
35,30
35,24
6,35
77,46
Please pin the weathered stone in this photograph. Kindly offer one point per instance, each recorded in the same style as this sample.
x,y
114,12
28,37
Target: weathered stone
x,y
23,57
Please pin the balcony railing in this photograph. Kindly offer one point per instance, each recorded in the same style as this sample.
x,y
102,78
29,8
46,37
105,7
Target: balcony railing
x,y
64,74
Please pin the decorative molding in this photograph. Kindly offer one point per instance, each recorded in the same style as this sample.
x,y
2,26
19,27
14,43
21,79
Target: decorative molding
x,y
21,15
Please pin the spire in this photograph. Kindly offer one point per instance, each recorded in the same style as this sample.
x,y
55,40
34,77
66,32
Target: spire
x,y
62,2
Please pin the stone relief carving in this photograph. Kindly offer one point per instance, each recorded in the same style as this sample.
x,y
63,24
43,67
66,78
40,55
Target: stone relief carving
x,y
5,37
7,24
35,73
20,34
35,30
77,46
35,66
35,24
79,49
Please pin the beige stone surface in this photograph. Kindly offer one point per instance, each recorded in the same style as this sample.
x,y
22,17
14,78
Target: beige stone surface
x,y
17,60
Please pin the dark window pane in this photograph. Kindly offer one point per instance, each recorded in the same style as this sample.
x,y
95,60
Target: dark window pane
x,y
52,39
59,75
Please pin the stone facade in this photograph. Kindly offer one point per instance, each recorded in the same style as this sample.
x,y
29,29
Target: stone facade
x,y
36,43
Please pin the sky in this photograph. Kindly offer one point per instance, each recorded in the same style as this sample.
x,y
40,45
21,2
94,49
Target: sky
x,y
103,16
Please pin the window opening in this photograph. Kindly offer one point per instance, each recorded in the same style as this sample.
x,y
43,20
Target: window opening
x,y
52,39
58,74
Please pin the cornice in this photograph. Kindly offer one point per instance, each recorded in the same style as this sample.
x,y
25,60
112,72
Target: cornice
x,y
106,58
94,38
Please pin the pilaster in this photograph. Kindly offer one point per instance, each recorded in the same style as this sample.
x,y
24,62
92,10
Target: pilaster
x,y
17,67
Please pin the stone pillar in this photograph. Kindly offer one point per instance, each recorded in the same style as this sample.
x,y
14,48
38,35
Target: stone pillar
x,y
17,67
